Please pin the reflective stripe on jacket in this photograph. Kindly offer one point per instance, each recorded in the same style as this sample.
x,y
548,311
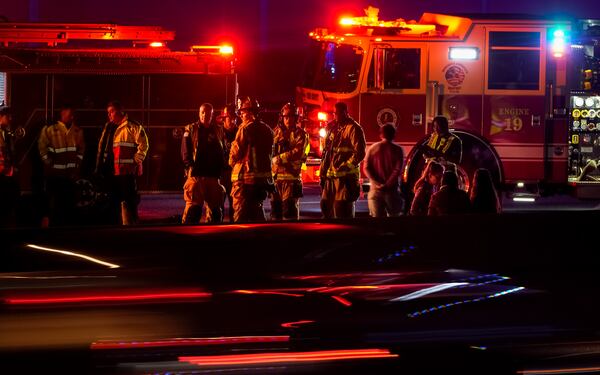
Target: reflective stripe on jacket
x,y
291,147
250,154
61,148
129,147
345,150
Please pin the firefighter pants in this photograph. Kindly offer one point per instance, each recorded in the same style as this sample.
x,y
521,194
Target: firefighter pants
x,y
61,199
200,190
248,201
385,203
125,198
9,198
339,196
285,201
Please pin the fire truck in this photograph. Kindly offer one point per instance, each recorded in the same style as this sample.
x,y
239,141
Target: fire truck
x,y
45,66
518,91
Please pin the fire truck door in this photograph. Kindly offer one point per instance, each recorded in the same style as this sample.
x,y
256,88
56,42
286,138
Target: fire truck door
x,y
514,100
395,92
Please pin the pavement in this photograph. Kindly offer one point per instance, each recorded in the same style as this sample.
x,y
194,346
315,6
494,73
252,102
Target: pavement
x,y
167,208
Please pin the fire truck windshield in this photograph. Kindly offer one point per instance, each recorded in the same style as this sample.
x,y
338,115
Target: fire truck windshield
x,y
332,67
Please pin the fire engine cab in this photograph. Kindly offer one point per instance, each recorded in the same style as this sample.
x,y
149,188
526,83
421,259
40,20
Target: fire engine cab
x,y
518,92
44,66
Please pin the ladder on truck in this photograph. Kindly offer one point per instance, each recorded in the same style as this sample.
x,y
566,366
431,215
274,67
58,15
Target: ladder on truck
x,y
53,34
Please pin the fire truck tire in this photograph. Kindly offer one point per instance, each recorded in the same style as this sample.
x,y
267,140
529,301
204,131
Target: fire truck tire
x,y
477,153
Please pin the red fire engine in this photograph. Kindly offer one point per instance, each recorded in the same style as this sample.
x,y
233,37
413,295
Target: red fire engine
x,y
43,66
505,85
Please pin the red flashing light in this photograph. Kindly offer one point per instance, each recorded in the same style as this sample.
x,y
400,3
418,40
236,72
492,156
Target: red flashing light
x,y
226,50
141,297
322,116
290,357
207,341
157,44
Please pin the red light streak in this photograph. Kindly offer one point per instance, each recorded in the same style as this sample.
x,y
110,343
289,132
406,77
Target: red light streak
x,y
242,291
296,324
108,298
342,300
263,358
207,341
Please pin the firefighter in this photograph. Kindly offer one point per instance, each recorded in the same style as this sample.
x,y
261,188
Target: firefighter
x,y
122,149
61,148
250,160
290,150
230,127
9,186
202,150
442,145
345,148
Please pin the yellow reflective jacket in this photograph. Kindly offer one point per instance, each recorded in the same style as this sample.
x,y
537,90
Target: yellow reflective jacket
x,y
345,149
250,154
61,148
129,147
290,150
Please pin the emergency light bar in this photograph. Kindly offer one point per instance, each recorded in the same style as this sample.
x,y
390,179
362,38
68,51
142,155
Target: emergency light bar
x,y
463,53
559,44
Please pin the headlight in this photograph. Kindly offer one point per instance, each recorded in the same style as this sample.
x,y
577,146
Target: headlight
x,y
323,132
322,116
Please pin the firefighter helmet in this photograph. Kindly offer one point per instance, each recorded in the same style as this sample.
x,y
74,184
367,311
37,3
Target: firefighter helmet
x,y
249,104
289,109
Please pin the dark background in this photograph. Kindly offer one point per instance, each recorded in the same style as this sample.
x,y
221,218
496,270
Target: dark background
x,y
269,36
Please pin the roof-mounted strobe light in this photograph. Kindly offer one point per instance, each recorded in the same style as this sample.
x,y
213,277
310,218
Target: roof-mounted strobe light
x,y
157,44
464,53
559,43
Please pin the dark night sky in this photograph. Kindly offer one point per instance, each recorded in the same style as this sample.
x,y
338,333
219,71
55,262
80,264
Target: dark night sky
x,y
277,28
263,23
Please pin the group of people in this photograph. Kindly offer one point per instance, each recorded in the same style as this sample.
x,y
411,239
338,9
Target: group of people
x,y
236,157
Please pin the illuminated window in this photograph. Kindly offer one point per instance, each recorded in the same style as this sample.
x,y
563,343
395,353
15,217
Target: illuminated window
x,y
401,68
2,88
514,62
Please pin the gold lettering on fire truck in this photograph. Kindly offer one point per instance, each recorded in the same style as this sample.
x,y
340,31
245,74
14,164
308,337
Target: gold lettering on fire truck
x,y
455,75
508,119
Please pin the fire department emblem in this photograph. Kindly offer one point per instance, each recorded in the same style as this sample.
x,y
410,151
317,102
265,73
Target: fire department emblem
x,y
387,116
455,76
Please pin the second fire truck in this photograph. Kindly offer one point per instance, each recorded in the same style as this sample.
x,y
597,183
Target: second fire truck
x,y
519,92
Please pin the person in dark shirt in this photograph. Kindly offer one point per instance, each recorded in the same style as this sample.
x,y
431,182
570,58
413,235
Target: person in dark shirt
x,y
484,198
202,151
230,122
425,187
450,200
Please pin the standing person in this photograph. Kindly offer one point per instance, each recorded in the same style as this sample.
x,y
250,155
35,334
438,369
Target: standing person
x,y
425,187
383,166
250,160
483,196
345,148
61,148
290,150
450,199
442,145
9,186
202,150
122,149
230,128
